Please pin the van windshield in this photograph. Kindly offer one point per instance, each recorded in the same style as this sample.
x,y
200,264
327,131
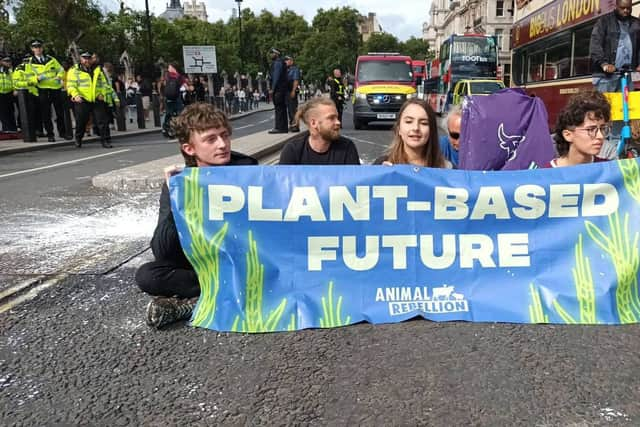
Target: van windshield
x,y
485,88
395,71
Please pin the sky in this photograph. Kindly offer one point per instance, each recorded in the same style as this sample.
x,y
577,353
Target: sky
x,y
402,18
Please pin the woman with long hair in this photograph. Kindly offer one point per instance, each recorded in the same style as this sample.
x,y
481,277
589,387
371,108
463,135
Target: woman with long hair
x,y
415,138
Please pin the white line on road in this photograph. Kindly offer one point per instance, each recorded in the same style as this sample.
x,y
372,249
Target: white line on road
x,y
33,292
245,126
64,163
364,141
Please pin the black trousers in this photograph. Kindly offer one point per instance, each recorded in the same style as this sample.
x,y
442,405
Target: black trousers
x,y
339,107
165,279
7,114
32,119
280,104
46,98
292,107
99,110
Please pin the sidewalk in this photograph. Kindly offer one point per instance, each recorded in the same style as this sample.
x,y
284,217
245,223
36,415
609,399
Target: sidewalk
x,y
149,175
18,146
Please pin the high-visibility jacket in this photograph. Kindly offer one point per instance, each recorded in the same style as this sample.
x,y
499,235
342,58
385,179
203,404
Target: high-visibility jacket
x,y
339,87
25,78
50,73
6,82
110,97
86,84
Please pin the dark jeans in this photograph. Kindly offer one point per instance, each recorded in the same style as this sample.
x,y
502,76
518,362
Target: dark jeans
x,y
280,104
292,107
99,110
172,109
165,279
48,97
7,114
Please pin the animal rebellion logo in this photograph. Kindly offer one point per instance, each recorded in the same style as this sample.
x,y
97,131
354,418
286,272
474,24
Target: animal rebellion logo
x,y
509,143
409,299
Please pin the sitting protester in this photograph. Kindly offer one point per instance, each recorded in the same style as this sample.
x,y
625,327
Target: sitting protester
x,y
415,138
581,129
450,143
322,144
204,135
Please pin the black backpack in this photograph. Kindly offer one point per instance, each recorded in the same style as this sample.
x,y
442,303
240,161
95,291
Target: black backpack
x,y
172,90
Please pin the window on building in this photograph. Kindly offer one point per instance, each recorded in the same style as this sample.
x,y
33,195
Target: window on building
x,y
500,8
499,39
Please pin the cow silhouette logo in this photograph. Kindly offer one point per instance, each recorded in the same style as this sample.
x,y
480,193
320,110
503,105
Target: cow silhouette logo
x,y
509,143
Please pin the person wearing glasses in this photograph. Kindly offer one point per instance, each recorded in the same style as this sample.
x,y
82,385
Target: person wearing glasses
x,y
581,130
415,138
450,143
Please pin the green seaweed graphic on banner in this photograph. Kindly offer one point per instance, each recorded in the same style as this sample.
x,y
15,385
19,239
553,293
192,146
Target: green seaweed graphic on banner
x,y
253,320
332,317
536,311
624,255
204,256
631,175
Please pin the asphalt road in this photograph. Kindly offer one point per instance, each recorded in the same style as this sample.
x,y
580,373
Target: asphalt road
x,y
79,353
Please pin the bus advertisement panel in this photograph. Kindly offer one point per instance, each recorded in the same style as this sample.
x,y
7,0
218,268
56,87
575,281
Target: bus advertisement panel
x,y
550,48
465,56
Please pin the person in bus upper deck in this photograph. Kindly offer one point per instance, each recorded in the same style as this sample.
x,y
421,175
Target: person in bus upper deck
x,y
614,43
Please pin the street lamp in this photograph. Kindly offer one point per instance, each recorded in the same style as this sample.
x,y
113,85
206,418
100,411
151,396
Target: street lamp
x,y
240,34
149,39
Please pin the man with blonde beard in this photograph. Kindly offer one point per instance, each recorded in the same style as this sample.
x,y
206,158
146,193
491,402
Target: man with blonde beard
x,y
322,143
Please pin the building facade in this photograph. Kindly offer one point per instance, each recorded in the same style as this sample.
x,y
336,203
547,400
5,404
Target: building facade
x,y
368,25
472,16
174,11
196,9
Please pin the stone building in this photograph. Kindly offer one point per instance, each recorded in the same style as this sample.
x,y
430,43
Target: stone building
x,y
196,9
368,25
474,16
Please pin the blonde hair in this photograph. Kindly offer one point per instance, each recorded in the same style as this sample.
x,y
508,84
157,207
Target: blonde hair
x,y
305,109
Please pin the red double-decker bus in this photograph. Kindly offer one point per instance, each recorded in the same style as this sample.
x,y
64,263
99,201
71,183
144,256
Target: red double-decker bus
x,y
550,48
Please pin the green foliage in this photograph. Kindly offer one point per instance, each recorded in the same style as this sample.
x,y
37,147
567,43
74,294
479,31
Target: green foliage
x,y
332,317
381,42
415,47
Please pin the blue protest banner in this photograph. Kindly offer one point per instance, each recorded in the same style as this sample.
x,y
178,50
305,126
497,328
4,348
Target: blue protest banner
x,y
290,247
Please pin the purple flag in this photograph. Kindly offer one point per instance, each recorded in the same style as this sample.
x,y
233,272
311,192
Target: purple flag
x,y
507,130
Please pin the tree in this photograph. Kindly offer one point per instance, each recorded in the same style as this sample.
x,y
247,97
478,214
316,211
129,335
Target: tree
x,y
415,47
381,42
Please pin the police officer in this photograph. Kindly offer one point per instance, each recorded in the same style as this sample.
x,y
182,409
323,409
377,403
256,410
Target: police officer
x,y
50,81
337,92
293,77
24,78
7,115
88,88
279,85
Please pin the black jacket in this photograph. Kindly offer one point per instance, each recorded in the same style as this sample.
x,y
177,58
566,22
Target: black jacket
x,y
165,243
604,41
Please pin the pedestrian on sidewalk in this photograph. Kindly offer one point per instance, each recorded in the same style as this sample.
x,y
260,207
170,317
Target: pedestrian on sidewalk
x,y
173,101
256,99
50,76
204,137
87,87
146,90
131,88
279,91
293,79
7,114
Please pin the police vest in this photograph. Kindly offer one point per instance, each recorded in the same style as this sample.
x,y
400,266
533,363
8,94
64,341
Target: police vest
x,y
51,71
88,85
340,90
24,78
6,82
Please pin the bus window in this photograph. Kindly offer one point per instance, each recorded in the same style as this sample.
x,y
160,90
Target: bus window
x,y
581,59
559,58
534,70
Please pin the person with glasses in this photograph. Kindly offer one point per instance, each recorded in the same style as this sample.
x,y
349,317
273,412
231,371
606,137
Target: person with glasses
x,y
450,143
415,138
581,130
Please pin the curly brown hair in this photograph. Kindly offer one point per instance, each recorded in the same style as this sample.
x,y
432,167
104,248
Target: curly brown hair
x,y
431,153
197,117
589,104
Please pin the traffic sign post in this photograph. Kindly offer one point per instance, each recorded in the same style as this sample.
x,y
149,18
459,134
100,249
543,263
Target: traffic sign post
x,y
201,60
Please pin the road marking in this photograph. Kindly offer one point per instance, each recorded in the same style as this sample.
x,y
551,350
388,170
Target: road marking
x,y
244,127
55,165
33,292
364,141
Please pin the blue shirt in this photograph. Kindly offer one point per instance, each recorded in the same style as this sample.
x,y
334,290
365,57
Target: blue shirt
x,y
293,73
448,151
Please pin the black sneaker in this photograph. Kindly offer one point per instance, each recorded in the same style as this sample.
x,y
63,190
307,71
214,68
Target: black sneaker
x,y
162,311
51,139
107,144
78,142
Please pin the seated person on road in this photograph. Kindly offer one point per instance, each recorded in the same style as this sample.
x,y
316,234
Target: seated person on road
x,y
204,135
581,129
322,143
450,144
415,138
